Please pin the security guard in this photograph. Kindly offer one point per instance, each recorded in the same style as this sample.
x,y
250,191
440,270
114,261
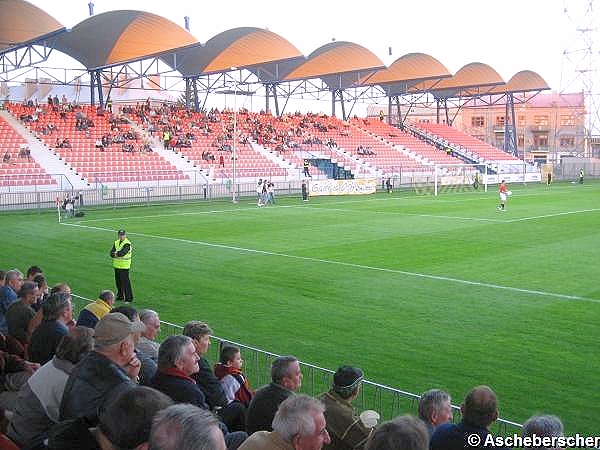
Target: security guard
x,y
345,427
121,262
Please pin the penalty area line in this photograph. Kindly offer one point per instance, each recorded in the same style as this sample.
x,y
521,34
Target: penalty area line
x,y
353,265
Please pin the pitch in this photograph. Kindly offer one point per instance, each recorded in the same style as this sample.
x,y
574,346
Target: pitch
x,y
418,291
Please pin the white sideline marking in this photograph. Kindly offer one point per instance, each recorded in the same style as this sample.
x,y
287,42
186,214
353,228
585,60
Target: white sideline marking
x,y
195,213
544,216
353,265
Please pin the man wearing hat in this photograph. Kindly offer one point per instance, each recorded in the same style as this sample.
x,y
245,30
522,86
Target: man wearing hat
x,y
109,368
121,262
345,427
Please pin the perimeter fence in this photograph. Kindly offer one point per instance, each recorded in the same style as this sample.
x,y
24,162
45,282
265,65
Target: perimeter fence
x,y
389,402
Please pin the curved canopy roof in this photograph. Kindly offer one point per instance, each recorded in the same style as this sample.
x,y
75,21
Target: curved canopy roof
x,y
472,79
339,64
22,22
117,37
524,81
239,47
405,72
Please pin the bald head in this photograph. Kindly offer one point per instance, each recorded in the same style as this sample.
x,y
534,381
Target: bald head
x,y
480,407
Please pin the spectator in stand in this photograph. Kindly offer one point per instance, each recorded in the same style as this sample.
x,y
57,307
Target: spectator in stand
x,y
232,414
345,427
177,362
39,398
39,315
402,433
33,271
126,420
544,426
43,290
2,278
57,314
21,312
93,312
185,427
435,408
147,343
14,372
286,379
229,372
299,424
111,365
8,295
149,368
479,410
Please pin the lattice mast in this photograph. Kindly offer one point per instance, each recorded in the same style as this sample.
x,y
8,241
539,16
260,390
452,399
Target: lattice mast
x,y
580,66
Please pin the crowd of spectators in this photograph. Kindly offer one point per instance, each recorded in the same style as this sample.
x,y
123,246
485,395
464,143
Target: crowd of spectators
x,y
104,381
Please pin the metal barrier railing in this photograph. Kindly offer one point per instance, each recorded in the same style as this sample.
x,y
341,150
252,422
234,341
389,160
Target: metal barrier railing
x,y
387,401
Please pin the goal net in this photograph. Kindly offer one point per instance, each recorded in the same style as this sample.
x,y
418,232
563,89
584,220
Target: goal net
x,y
453,178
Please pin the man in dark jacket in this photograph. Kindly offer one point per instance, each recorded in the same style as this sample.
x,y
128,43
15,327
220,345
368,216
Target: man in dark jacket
x,y
233,414
479,411
177,362
112,366
286,378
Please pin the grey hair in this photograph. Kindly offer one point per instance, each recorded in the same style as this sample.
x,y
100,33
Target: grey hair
x,y
280,368
545,425
27,288
55,305
404,432
107,295
171,350
147,314
432,400
184,427
295,416
75,345
13,274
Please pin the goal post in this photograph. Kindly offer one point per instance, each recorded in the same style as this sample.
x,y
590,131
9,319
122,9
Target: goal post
x,y
459,177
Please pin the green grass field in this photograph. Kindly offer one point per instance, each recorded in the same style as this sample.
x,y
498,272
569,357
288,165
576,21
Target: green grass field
x,y
419,291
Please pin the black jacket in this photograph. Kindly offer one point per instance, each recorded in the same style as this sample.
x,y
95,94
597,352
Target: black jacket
x,y
92,381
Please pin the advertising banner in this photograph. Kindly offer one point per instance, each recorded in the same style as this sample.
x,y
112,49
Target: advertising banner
x,y
342,187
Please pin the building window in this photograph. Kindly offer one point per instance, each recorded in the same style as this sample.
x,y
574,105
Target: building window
x,y
567,121
477,121
521,141
500,121
541,121
541,141
567,141
521,121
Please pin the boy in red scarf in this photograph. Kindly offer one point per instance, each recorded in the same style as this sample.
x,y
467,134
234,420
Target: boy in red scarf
x,y
229,372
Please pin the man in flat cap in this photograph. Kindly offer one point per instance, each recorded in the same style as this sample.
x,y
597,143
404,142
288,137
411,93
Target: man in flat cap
x,y
121,262
345,427
103,372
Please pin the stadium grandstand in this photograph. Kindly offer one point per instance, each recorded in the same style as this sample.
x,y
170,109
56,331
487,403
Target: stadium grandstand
x,y
132,108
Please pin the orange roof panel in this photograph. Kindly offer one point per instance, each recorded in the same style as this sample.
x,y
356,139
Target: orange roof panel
x,y
147,34
335,58
410,67
21,21
258,46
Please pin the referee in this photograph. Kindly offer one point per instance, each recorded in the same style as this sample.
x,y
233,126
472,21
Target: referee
x,y
121,262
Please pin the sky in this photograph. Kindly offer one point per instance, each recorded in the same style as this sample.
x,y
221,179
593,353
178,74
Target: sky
x,y
510,36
